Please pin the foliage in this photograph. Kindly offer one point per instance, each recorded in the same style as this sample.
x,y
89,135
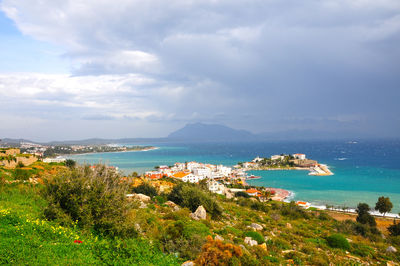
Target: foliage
x,y
394,229
70,163
256,236
383,205
215,252
363,216
187,195
146,189
242,194
338,241
95,198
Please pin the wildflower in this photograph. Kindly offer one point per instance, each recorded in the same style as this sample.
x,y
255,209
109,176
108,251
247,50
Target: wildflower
x,y
78,241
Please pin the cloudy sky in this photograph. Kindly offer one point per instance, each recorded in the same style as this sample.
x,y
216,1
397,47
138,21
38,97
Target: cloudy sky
x,y
74,69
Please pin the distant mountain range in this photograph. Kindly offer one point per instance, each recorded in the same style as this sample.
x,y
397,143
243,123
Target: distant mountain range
x,y
197,132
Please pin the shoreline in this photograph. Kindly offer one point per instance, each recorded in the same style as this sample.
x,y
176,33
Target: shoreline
x,y
86,153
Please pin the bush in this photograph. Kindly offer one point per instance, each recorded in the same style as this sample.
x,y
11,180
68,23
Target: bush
x,y
242,194
146,189
394,229
338,241
214,252
187,195
70,163
256,236
22,174
95,198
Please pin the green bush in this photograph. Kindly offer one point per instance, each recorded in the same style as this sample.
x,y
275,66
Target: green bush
x,y
242,194
187,195
394,229
338,241
95,198
256,236
146,189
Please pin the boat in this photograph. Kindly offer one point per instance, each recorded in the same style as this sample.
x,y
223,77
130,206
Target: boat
x,y
253,177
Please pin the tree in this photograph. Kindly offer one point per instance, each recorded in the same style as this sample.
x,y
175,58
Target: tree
x,y
363,216
70,163
383,205
146,189
394,229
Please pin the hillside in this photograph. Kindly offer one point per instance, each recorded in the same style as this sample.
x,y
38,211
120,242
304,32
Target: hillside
x,y
153,230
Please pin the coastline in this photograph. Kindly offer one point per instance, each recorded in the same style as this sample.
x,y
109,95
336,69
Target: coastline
x,y
103,152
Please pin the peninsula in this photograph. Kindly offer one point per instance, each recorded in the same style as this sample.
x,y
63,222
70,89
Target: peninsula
x,y
297,161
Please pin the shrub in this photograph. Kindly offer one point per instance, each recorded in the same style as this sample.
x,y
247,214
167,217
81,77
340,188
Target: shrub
x,y
256,236
363,215
187,195
22,174
242,194
338,241
214,252
146,189
70,163
95,198
394,229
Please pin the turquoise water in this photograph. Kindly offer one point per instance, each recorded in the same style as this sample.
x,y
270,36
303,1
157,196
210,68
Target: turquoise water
x,y
363,171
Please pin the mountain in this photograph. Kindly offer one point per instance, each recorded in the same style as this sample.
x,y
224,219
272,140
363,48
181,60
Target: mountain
x,y
211,132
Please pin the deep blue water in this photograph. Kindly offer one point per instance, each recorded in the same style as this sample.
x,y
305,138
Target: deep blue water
x,y
362,171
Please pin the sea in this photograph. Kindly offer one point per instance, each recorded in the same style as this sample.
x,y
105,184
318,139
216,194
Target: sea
x,y
363,170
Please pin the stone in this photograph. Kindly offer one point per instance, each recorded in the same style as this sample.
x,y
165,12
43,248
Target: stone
x,y
172,205
188,263
142,205
199,214
141,197
391,249
263,246
249,241
218,237
288,226
256,226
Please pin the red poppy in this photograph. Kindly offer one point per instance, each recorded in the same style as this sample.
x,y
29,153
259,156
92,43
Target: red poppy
x,y
78,241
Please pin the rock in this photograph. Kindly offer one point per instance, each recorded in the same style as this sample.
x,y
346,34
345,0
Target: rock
x,y
391,249
390,263
172,205
218,237
199,214
263,246
142,205
266,238
288,226
139,196
188,263
249,241
256,226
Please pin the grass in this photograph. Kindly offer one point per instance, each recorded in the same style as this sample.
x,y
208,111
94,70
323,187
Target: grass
x,y
26,238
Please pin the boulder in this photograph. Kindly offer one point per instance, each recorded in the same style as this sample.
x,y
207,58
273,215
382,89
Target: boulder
x,y
391,249
256,227
199,214
249,241
141,197
218,237
172,205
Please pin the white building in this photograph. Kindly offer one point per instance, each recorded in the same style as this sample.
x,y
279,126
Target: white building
x,y
202,171
277,157
223,170
257,159
216,187
299,156
54,160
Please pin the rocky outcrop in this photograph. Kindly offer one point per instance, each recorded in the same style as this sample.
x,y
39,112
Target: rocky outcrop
x,y
199,214
391,249
172,205
256,227
250,241
140,197
218,237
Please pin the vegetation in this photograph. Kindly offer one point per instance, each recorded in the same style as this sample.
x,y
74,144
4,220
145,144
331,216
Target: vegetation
x,y
383,205
81,216
363,216
146,189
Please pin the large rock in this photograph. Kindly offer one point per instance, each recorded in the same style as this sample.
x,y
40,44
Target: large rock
x,y
199,214
256,226
188,263
141,197
172,205
391,249
250,241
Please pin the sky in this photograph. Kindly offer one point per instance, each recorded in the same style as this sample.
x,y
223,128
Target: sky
x,y
74,69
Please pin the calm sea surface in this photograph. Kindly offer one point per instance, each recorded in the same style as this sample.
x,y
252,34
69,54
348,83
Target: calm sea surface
x,y
363,171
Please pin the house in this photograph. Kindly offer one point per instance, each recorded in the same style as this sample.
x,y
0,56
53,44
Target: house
x,y
253,192
187,177
277,157
305,163
202,171
299,156
216,187
257,159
